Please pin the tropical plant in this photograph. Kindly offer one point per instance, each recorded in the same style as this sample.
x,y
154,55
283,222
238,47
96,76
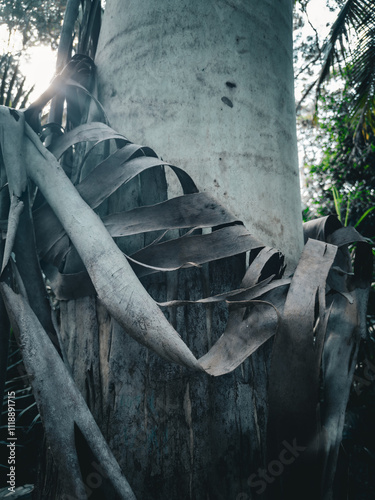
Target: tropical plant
x,y
12,85
13,93
346,171
342,182
351,44
61,216
37,20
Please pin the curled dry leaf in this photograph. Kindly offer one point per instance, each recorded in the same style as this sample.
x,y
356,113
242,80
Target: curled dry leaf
x,y
316,315
110,273
319,334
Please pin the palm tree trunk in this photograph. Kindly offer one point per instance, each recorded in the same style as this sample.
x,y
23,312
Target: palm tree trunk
x,y
208,85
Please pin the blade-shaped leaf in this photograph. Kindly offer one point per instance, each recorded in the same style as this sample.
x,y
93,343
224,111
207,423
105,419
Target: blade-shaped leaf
x,y
320,229
198,210
93,132
293,389
254,316
115,282
12,124
12,148
188,211
116,285
243,335
240,296
346,325
195,249
345,236
15,211
120,168
30,272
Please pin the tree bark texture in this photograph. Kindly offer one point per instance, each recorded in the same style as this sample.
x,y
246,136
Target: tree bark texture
x,y
175,434
209,86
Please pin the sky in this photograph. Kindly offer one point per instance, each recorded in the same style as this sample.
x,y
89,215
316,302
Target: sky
x,y
40,68
320,16
319,22
37,64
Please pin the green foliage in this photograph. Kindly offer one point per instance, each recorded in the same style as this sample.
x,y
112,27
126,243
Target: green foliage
x,y
338,200
344,179
351,47
39,21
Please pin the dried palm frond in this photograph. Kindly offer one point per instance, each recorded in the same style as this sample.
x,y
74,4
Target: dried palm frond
x,y
317,315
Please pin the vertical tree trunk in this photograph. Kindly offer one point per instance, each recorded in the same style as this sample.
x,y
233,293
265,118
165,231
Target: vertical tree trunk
x,y
209,86
175,434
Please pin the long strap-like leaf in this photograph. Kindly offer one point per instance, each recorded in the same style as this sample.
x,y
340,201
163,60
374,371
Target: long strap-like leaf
x,y
69,426
114,280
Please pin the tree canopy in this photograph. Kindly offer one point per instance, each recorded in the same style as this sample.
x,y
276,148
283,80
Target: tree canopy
x,y
39,21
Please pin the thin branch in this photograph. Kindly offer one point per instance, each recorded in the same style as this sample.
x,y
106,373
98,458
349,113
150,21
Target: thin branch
x,y
305,94
313,61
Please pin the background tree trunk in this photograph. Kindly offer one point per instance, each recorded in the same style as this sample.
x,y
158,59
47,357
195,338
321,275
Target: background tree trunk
x,y
208,85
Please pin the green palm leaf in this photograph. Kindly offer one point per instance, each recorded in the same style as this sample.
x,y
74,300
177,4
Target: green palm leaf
x,y
354,27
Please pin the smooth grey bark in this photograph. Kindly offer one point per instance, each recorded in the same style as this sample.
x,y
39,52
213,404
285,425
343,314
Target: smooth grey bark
x,y
209,85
